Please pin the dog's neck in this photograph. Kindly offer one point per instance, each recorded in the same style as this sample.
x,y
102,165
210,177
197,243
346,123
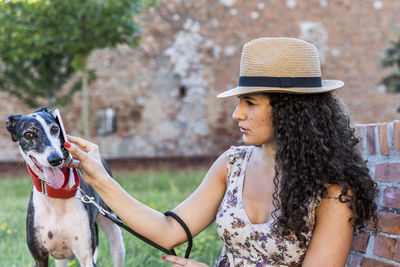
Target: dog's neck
x,y
68,190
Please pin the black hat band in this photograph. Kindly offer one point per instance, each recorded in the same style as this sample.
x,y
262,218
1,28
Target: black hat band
x,y
258,81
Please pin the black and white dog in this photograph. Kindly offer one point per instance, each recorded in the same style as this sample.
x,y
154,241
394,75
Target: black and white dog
x,y
58,223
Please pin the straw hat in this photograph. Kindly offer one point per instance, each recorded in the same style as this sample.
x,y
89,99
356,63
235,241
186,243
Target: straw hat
x,y
283,65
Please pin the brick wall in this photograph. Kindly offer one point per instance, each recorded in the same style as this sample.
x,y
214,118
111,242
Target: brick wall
x,y
381,147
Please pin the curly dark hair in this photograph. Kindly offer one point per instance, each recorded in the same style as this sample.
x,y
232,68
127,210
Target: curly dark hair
x,y
316,147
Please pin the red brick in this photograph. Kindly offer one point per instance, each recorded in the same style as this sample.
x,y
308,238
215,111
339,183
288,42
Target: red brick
x,y
360,242
374,263
371,139
397,257
387,172
354,260
388,223
384,247
396,135
383,139
391,197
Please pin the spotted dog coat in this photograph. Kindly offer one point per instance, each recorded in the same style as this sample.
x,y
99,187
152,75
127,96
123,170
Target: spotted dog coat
x,y
62,228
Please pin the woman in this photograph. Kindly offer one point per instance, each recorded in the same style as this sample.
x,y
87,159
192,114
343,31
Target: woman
x,y
293,196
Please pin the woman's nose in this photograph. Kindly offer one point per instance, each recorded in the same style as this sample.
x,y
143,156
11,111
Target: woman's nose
x,y
239,114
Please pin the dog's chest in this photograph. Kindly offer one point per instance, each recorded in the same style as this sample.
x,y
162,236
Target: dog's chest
x,y
61,225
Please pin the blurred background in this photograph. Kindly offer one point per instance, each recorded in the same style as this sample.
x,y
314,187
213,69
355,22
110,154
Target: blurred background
x,y
152,70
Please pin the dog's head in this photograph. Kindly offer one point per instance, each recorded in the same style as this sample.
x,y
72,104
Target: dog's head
x,y
38,136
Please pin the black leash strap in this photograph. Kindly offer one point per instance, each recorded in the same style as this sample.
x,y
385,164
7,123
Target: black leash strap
x,y
123,225
90,200
184,226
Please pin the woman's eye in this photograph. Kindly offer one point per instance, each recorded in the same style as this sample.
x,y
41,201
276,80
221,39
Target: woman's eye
x,y
249,103
28,135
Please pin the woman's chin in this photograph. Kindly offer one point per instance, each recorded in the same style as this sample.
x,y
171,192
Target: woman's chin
x,y
251,142
247,141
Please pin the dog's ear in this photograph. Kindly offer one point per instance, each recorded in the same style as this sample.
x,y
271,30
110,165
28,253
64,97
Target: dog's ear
x,y
10,124
45,109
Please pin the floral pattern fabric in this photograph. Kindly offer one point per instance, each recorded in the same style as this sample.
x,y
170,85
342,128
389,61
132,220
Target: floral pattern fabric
x,y
247,244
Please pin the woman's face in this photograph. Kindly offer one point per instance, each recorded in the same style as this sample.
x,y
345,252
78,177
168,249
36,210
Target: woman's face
x,y
254,115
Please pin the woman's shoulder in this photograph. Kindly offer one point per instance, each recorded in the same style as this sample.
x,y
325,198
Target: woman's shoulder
x,y
231,159
233,154
237,152
335,198
334,191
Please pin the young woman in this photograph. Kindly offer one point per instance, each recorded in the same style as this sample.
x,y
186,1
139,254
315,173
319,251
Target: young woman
x,y
293,196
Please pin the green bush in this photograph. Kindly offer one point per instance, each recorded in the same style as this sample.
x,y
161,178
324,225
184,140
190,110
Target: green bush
x,y
392,59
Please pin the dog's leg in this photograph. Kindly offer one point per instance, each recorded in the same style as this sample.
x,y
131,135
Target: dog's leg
x,y
83,254
115,239
85,258
61,263
42,262
38,252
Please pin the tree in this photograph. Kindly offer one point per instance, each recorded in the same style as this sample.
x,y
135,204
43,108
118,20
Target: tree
x,y
29,70
392,58
44,42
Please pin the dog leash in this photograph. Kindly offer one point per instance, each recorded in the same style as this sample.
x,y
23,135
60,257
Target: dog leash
x,y
90,200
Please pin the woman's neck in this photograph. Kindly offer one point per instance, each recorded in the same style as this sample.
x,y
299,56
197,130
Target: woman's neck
x,y
268,151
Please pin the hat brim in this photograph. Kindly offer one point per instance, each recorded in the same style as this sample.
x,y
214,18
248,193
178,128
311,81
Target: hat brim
x,y
327,85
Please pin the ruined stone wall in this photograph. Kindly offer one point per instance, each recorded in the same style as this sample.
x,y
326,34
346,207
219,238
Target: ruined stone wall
x,y
164,91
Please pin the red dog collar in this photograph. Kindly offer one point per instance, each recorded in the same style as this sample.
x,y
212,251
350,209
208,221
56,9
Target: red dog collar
x,y
49,191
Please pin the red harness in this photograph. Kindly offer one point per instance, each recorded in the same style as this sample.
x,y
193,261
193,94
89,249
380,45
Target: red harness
x,y
49,191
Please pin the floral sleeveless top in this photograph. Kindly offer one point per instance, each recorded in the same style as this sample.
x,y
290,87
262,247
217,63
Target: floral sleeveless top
x,y
247,244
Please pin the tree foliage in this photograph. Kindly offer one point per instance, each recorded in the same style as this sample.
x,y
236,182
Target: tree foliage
x,y
44,42
392,59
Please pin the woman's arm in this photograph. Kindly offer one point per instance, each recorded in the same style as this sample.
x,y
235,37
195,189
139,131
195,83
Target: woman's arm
x,y
333,233
197,211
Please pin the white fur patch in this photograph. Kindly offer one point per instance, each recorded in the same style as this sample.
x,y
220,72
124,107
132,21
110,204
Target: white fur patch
x,y
66,222
55,144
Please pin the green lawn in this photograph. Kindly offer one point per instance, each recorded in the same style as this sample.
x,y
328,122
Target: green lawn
x,y
161,190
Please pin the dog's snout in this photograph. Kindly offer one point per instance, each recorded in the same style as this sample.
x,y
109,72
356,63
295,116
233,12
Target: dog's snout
x,y
55,159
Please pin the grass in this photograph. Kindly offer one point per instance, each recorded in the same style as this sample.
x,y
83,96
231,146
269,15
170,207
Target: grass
x,y
161,190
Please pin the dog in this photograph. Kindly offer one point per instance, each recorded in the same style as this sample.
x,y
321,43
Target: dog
x,y
58,223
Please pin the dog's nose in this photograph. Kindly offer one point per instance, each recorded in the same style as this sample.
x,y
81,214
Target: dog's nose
x,y
55,160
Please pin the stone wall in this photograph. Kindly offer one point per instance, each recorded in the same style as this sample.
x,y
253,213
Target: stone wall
x,y
381,147
164,91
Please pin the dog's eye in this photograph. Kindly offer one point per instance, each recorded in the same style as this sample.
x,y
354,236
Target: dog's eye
x,y
28,135
54,129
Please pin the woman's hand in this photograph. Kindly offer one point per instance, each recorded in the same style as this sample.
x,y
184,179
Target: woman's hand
x,y
86,158
178,261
